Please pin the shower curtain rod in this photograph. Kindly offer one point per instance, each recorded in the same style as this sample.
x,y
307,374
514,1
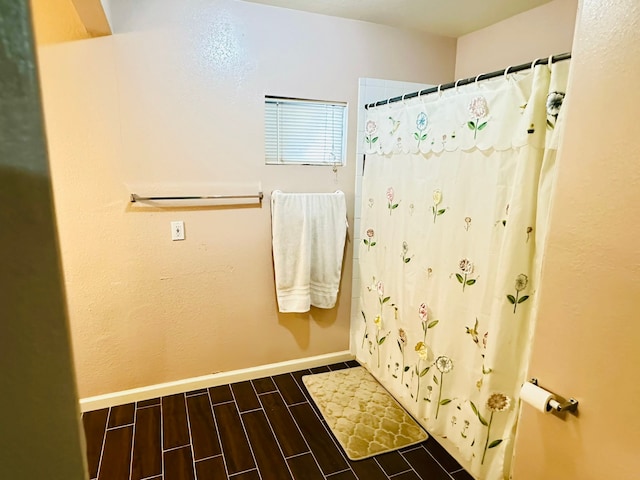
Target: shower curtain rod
x,y
466,81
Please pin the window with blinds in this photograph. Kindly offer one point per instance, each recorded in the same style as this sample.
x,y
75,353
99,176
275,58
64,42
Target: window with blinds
x,y
304,132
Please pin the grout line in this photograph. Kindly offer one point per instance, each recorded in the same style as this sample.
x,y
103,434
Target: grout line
x,y
436,460
410,464
122,426
275,388
410,469
176,448
297,454
380,466
215,424
412,448
220,403
147,406
253,455
195,393
208,458
193,455
288,407
267,393
303,437
252,410
276,437
133,439
104,442
340,471
244,471
161,439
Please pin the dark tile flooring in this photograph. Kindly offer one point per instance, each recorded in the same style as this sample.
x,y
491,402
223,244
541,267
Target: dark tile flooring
x,y
260,429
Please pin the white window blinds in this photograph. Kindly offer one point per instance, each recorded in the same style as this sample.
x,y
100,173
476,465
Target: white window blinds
x,y
304,131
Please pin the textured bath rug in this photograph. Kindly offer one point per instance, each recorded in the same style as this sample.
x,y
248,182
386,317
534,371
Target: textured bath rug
x,y
362,415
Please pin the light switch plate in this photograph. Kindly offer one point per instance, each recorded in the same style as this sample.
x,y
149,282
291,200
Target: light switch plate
x,y
177,230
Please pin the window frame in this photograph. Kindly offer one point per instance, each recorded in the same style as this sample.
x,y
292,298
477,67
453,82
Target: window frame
x,y
284,130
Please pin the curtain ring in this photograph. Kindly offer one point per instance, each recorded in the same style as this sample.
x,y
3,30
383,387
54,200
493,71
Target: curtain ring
x,y
550,62
456,85
533,64
506,72
476,80
439,91
403,98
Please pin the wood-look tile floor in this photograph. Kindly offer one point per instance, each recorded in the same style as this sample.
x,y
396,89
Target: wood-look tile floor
x,y
255,430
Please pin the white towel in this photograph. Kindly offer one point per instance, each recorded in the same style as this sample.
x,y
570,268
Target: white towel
x,y
309,232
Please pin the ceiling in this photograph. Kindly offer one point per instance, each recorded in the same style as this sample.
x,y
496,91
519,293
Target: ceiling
x,y
451,18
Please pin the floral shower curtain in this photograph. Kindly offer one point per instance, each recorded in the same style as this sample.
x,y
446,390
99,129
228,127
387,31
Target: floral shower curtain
x,y
454,213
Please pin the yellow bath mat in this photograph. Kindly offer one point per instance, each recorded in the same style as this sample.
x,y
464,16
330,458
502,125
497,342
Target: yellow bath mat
x,y
362,415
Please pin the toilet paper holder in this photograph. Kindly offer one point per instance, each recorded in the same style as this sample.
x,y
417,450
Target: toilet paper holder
x,y
570,405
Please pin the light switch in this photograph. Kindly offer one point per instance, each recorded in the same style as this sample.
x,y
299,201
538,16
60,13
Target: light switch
x,y
177,230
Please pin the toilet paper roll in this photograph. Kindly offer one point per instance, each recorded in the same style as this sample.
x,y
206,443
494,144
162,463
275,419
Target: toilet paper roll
x,y
538,397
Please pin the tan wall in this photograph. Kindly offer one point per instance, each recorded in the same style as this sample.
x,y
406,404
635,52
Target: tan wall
x,y
586,342
537,33
56,21
174,102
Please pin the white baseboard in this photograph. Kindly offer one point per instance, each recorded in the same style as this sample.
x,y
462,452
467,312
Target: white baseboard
x,y
213,380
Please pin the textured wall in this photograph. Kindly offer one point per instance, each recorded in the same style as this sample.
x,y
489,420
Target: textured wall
x,y
586,343
537,33
174,100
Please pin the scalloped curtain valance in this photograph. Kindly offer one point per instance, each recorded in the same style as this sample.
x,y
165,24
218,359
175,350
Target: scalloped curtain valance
x,y
495,114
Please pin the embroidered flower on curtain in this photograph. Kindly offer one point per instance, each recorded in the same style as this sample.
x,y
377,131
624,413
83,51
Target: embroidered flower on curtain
x,y
405,253
437,200
402,343
370,129
423,356
554,103
424,318
365,335
421,126
473,332
466,267
395,124
475,336
520,284
370,241
444,365
378,320
479,109
497,402
390,195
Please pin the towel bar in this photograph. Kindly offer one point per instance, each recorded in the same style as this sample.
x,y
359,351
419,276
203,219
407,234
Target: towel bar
x,y
135,197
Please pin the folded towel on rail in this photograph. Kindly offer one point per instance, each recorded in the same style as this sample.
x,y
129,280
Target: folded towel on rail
x,y
308,233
